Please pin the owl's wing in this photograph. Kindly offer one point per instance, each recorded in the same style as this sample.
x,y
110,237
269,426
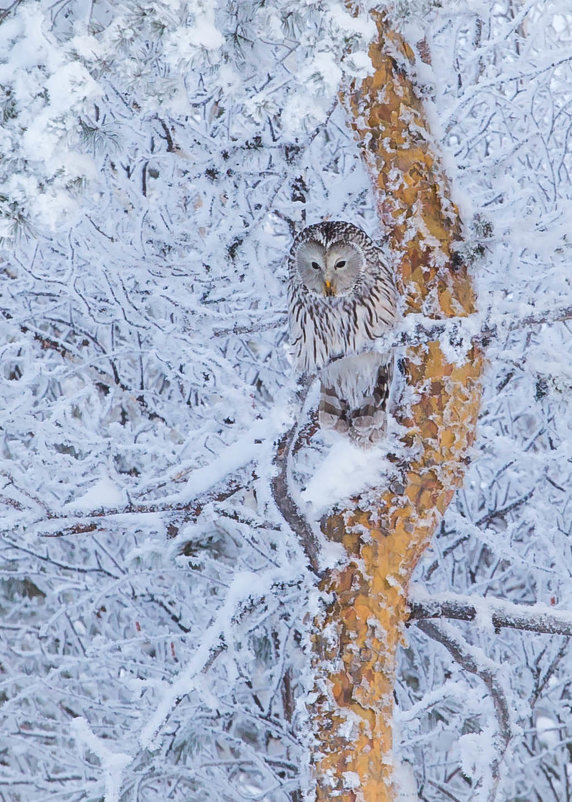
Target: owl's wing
x,y
354,396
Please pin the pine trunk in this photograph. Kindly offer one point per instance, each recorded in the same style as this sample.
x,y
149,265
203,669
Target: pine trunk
x,y
357,637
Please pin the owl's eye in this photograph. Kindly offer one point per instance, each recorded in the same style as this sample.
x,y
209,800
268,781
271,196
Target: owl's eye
x,y
341,263
315,265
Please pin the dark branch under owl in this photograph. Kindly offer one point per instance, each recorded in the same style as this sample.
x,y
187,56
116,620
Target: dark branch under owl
x,y
341,301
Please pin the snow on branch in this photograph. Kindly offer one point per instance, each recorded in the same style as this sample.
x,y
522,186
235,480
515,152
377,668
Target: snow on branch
x,y
473,660
87,523
282,489
417,329
492,612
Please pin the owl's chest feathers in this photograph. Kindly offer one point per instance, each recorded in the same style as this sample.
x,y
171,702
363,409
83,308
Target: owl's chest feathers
x,y
323,329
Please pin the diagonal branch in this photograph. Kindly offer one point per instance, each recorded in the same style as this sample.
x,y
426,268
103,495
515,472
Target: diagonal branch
x,y
281,485
475,662
6,11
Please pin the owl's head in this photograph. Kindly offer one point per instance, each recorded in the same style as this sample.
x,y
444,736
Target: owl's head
x,y
329,259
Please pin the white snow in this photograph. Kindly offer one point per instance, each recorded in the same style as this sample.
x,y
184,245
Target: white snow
x,y
103,493
405,782
113,763
548,730
345,471
477,752
351,780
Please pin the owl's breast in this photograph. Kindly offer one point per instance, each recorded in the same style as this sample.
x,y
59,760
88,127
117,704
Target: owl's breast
x,y
325,329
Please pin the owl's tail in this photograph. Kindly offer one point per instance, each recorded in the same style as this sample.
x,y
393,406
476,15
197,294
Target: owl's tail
x,y
354,397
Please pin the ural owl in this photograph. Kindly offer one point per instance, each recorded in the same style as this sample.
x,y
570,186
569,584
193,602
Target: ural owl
x,y
341,299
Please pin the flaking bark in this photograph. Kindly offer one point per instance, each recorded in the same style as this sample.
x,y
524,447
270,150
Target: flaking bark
x,y
357,636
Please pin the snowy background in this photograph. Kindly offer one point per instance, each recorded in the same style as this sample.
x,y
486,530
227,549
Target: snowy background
x,y
157,158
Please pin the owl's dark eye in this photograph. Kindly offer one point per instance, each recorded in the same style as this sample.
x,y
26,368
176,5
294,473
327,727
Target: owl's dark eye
x,y
341,263
315,265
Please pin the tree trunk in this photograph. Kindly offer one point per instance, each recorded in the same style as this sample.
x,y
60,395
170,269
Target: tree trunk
x,y
357,636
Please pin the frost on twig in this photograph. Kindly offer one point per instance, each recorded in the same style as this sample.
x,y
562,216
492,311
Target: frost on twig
x,y
474,661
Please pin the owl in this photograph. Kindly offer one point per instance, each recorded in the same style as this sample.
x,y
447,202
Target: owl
x,y
341,300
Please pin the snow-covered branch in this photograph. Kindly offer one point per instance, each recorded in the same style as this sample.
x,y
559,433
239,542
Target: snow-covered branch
x,y
495,613
476,662
283,490
464,331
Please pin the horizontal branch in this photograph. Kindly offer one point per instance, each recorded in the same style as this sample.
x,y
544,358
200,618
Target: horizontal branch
x,y
87,522
498,613
417,329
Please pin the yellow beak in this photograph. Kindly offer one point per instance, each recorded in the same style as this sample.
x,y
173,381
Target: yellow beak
x,y
329,288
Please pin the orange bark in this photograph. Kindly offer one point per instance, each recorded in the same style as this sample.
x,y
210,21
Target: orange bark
x,y
357,637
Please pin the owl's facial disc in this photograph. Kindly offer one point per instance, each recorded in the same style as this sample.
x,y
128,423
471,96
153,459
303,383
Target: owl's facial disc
x,y
344,263
311,263
331,270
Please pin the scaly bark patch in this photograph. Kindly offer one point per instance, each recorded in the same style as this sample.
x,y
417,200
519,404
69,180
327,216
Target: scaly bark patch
x,y
357,636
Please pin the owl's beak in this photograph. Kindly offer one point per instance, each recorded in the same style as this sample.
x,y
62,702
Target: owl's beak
x,y
329,288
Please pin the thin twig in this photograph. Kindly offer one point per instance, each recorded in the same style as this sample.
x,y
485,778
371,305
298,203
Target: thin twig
x,y
485,519
171,148
542,683
49,343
